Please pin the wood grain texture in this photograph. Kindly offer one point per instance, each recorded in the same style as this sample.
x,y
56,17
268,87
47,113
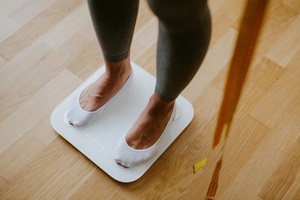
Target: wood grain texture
x,y
47,48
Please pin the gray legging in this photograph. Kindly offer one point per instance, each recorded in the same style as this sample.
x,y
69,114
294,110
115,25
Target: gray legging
x,y
183,38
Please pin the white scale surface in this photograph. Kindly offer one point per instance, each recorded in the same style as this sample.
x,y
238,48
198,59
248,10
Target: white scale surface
x,y
98,140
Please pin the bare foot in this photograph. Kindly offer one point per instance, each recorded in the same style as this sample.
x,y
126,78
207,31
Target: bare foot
x,y
150,124
106,86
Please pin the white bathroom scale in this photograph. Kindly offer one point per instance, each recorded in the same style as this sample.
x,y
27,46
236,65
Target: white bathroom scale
x,y
98,140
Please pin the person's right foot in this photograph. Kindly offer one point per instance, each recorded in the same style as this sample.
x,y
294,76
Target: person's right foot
x,y
87,105
104,88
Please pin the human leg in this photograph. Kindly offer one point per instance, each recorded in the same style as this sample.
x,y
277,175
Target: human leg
x,y
114,23
184,34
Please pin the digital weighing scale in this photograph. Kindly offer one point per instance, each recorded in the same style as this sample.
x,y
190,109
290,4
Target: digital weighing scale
x,y
98,140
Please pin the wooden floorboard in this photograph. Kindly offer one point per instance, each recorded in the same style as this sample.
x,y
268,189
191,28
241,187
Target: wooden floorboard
x,y
48,47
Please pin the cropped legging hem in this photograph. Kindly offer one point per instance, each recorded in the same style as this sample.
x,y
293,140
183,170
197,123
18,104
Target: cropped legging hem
x,y
117,58
163,96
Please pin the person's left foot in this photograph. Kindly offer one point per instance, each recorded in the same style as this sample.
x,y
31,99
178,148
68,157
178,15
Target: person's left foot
x,y
151,123
141,142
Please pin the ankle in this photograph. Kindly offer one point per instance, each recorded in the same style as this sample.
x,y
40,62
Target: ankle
x,y
159,105
119,69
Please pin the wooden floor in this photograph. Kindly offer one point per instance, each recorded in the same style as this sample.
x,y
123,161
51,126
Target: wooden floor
x,y
48,47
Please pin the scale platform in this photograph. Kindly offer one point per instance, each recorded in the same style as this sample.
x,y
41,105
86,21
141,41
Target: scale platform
x,y
98,140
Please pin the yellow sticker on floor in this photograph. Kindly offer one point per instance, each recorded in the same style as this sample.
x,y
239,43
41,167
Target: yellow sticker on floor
x,y
199,165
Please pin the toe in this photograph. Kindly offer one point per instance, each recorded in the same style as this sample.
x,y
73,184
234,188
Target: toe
x,y
122,164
